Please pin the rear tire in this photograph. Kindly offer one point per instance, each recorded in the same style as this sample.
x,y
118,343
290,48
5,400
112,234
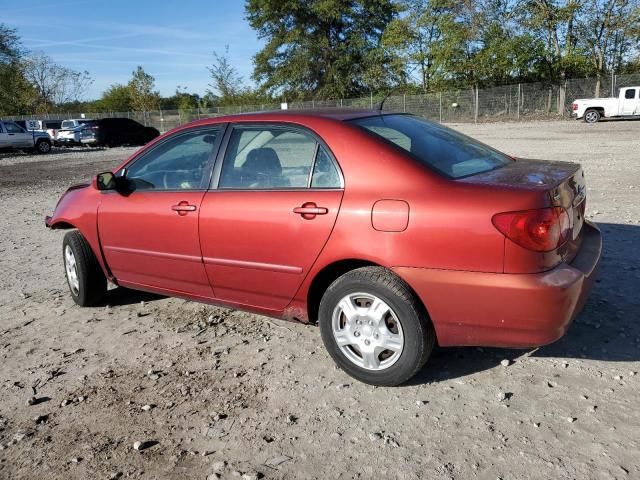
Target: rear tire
x,y
374,327
43,146
592,116
86,280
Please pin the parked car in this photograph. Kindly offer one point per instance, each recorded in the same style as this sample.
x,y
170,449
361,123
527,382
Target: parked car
x,y
592,110
391,232
49,126
70,131
112,132
13,136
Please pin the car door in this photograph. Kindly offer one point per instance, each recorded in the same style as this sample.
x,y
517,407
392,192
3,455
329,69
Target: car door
x,y
149,230
276,198
630,101
17,137
133,132
4,138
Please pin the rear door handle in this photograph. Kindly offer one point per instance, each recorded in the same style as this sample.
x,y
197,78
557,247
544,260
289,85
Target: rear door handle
x,y
183,208
309,210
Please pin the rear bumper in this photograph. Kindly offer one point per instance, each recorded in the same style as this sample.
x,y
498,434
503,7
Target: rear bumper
x,y
67,141
507,310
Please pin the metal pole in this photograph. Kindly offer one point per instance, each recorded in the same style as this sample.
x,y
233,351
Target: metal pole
x,y
440,94
475,117
372,100
404,103
518,112
612,83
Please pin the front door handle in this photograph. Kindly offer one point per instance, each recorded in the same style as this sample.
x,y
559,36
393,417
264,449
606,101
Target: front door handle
x,y
183,208
309,210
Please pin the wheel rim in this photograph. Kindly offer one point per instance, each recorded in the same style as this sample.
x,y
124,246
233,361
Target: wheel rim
x,y
367,331
44,147
72,270
592,117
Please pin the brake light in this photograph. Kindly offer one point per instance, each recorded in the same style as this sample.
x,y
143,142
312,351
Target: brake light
x,y
574,106
540,230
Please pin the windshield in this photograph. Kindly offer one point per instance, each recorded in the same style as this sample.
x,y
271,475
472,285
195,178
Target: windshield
x,y
447,151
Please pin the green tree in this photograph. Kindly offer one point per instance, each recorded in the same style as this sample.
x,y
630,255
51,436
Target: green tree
x,y
116,98
144,97
609,30
554,22
319,48
17,95
507,53
227,86
225,79
415,38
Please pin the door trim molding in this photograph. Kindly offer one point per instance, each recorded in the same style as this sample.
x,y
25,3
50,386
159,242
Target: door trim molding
x,y
153,253
226,262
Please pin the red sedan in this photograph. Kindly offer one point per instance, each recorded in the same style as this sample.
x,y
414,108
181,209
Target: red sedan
x,y
389,231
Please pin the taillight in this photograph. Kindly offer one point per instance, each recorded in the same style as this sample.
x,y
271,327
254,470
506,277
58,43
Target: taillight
x,y
574,106
540,230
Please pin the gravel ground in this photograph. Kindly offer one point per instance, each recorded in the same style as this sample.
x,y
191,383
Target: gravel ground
x,y
215,393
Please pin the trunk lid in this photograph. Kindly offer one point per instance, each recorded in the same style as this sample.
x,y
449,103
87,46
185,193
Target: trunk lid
x,y
527,174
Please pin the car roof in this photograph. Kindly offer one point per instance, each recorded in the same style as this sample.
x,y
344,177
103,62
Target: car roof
x,y
339,114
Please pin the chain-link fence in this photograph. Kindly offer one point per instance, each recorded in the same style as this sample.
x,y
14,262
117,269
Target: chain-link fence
x,y
526,101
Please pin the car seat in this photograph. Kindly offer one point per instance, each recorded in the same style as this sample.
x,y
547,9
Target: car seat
x,y
262,169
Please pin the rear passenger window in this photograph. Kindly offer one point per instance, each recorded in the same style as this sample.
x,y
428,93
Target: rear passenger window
x,y
325,173
631,93
268,158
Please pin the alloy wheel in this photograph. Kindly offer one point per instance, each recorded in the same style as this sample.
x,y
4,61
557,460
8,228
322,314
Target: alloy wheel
x,y
71,268
367,331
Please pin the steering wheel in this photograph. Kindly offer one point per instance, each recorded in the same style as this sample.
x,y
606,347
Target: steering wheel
x,y
184,179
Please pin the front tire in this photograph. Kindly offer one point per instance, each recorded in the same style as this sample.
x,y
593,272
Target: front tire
x,y
374,327
87,283
591,116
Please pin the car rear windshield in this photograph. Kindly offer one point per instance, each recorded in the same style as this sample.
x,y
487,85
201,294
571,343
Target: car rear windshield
x,y
443,149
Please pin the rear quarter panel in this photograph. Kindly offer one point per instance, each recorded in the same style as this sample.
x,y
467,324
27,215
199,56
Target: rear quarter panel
x,y
449,221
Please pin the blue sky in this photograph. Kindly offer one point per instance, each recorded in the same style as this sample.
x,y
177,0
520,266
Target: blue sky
x,y
172,40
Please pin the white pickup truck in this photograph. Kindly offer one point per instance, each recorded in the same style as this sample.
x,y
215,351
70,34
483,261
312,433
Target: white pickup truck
x,y
593,109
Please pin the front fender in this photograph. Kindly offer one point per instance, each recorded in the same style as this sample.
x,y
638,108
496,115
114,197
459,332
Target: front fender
x,y
78,208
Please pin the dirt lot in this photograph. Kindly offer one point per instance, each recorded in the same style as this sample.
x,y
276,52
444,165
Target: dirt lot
x,y
213,391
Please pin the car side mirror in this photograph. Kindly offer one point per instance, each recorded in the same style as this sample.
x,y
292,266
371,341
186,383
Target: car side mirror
x,y
105,181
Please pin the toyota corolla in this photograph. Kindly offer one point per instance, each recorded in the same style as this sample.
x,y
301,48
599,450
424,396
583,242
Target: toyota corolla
x,y
390,232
